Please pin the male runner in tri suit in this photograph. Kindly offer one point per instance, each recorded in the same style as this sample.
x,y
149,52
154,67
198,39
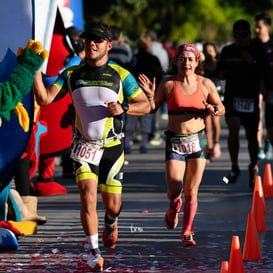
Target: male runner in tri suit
x,y
99,89
243,66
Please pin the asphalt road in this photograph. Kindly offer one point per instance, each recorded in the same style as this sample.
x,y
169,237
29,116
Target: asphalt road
x,y
144,244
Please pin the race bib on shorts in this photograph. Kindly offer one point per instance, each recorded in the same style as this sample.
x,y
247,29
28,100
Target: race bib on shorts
x,y
243,105
87,152
186,145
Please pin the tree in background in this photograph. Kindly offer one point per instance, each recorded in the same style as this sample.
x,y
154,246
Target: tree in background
x,y
176,20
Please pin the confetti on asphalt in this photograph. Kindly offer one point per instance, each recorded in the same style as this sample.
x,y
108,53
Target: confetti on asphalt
x,y
225,179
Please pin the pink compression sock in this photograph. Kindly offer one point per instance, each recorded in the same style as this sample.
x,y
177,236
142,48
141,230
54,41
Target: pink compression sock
x,y
190,209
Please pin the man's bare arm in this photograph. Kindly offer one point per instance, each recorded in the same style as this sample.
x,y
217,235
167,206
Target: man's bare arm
x,y
45,95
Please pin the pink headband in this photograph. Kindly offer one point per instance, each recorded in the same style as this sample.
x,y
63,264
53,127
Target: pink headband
x,y
189,48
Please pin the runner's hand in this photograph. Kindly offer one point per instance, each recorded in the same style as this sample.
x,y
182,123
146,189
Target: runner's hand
x,y
212,109
147,86
114,108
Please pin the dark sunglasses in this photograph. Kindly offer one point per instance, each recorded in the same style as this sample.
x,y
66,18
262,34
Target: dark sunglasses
x,y
95,39
241,34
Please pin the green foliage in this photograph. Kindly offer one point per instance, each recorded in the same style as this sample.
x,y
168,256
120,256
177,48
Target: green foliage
x,y
176,20
205,21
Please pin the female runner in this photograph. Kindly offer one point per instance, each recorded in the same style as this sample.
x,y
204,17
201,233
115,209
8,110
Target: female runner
x,y
186,94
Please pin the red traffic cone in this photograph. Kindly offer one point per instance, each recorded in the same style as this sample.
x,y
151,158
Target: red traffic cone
x,y
258,188
258,205
235,264
224,267
252,250
268,181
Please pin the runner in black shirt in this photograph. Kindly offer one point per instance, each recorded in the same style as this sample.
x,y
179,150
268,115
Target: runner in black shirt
x,y
243,66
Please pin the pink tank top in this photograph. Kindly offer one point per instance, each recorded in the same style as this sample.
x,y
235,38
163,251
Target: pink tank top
x,y
179,102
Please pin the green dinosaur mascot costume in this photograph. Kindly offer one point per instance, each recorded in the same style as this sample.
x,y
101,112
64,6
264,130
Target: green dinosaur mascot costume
x,y
12,93
19,83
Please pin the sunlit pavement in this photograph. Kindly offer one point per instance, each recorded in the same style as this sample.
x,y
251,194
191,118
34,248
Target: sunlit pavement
x,y
144,244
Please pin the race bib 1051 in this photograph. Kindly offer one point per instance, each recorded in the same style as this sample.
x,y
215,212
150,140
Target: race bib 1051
x,y
87,152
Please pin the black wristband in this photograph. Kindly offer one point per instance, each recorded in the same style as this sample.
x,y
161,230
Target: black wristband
x,y
125,107
216,109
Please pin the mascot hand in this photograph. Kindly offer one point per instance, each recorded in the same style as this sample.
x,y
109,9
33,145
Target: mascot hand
x,y
19,83
36,47
23,117
32,56
29,60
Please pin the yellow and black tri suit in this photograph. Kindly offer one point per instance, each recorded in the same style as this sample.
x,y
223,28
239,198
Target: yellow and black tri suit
x,y
90,88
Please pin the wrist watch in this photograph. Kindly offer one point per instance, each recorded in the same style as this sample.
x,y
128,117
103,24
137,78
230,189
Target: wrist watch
x,y
125,107
216,109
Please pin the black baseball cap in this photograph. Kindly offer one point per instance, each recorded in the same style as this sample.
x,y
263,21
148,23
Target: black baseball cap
x,y
241,25
97,29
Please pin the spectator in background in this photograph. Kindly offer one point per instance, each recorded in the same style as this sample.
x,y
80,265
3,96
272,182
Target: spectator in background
x,y
158,50
262,31
147,63
73,43
162,54
213,126
170,47
244,66
120,53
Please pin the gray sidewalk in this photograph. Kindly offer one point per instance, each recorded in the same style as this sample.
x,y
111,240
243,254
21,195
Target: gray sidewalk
x,y
144,244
